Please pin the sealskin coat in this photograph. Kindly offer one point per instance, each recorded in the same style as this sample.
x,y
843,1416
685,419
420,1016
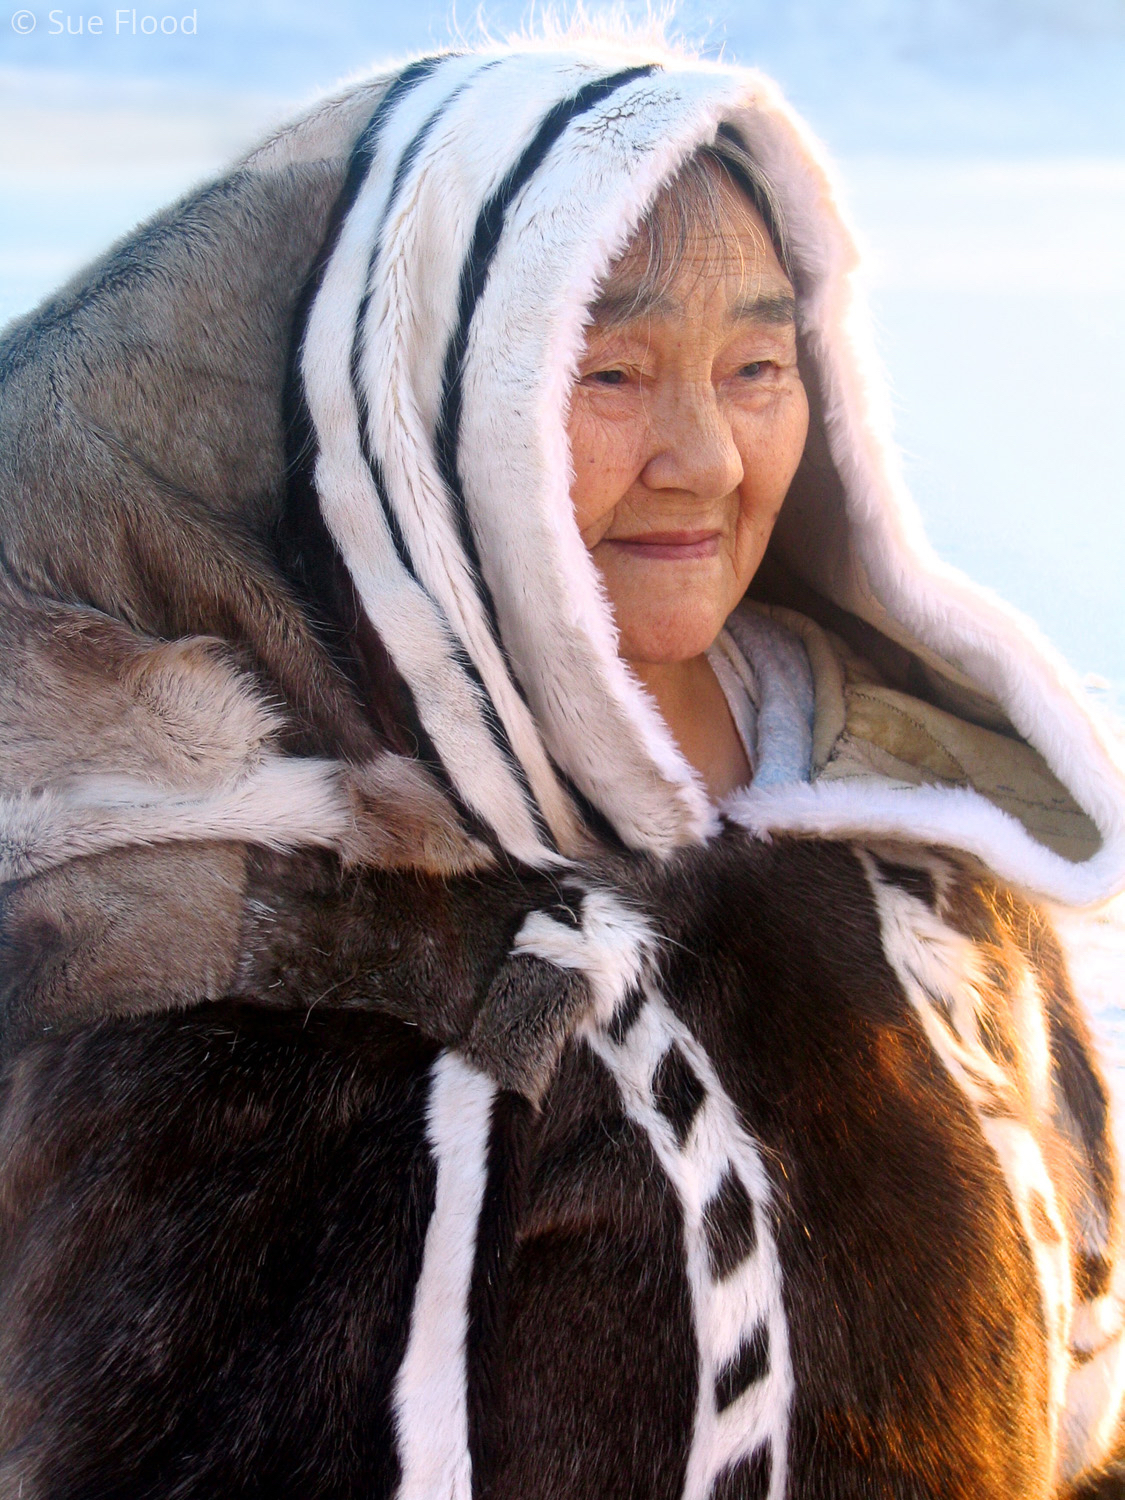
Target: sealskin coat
x,y
412,1086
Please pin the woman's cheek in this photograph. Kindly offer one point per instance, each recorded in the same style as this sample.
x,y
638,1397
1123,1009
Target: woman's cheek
x,y
587,455
773,444
602,446
773,441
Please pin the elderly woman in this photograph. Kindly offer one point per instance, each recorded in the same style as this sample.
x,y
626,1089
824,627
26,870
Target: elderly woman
x,y
518,970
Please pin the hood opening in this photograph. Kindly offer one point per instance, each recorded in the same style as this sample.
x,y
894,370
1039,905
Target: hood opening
x,y
498,190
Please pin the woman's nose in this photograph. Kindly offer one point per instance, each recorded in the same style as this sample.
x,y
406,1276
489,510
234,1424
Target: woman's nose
x,y
693,445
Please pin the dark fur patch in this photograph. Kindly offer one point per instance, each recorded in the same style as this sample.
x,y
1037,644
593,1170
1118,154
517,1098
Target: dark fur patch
x,y
992,1105
746,1368
625,1016
677,1092
728,1221
915,882
511,1136
748,1480
600,1360
569,913
1091,1276
201,1297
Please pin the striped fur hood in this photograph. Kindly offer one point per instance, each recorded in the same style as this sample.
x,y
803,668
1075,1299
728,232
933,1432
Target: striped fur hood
x,y
442,471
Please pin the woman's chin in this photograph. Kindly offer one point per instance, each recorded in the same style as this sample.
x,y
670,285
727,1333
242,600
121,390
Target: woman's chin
x,y
667,611
664,642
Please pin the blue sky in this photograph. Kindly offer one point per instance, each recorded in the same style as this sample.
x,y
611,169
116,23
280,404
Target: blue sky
x,y
908,74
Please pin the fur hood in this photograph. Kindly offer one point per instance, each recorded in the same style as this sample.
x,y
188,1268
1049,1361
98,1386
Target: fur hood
x,y
430,383
443,463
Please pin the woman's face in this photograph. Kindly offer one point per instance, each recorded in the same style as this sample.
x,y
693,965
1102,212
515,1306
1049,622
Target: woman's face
x,y
687,423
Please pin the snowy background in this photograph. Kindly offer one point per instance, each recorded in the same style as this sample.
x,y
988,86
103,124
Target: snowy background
x,y
983,147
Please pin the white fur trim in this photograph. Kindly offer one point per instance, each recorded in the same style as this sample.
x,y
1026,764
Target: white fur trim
x,y
414,631
282,804
431,1388
401,371
955,817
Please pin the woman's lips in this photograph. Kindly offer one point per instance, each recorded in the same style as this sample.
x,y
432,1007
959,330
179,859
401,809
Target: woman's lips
x,y
668,546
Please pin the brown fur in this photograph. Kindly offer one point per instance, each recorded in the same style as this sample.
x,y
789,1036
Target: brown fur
x,y
151,634
214,1182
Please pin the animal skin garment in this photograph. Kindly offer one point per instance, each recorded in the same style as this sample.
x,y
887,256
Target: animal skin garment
x,y
413,1087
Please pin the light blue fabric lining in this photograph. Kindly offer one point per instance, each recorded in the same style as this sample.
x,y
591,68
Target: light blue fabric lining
x,y
780,666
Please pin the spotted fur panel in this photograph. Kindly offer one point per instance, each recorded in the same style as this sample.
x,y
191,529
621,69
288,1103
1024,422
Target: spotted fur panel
x,y
669,1088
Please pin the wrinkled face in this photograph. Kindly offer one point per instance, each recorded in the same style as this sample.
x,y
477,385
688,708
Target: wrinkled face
x,y
687,423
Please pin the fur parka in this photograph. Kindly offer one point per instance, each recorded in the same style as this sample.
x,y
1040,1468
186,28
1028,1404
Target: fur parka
x,y
411,1086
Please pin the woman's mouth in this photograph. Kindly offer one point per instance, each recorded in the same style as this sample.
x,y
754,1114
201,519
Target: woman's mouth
x,y
669,546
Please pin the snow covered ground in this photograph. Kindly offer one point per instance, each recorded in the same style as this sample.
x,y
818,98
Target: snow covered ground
x,y
983,147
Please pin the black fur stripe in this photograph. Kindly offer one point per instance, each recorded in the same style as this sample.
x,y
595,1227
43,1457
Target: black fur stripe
x,y
511,1140
677,1092
728,1223
748,1480
375,468
746,1368
474,274
625,1016
359,164
591,815
311,548
300,439
915,882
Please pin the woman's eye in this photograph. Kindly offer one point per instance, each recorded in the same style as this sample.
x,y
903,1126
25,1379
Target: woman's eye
x,y
607,377
756,367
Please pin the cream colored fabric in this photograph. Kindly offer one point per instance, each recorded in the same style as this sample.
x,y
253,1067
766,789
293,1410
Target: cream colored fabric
x,y
867,731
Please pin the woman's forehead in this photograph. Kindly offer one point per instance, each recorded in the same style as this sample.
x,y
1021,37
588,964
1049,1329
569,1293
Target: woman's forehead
x,y
733,260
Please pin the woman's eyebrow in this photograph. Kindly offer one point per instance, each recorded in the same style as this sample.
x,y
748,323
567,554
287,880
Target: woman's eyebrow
x,y
766,307
617,306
